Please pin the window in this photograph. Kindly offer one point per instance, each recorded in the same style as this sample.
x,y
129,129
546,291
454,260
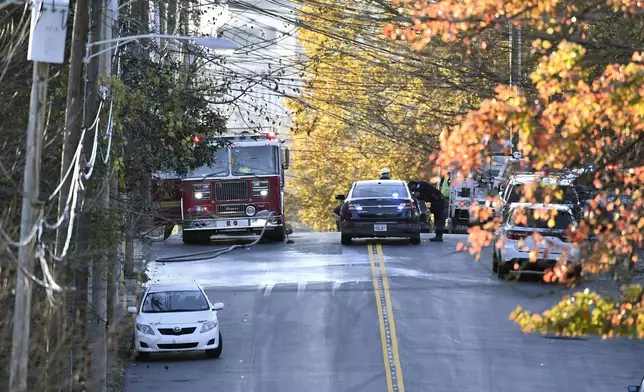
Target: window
x,y
569,195
380,190
175,301
219,167
562,221
520,167
251,161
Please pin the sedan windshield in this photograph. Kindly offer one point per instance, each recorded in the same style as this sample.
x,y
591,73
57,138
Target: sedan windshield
x,y
563,220
379,190
259,160
175,301
219,167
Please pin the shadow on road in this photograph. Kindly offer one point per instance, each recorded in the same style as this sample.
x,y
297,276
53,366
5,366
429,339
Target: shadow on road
x,y
176,357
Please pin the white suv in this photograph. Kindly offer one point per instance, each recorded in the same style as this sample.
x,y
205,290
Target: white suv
x,y
518,241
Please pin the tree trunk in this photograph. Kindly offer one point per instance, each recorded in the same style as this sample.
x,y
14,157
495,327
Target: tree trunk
x,y
140,13
62,322
85,319
97,320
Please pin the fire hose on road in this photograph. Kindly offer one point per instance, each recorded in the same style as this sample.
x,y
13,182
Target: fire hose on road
x,y
211,254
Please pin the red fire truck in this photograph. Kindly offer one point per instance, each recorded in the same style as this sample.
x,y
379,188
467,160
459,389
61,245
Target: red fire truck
x,y
233,196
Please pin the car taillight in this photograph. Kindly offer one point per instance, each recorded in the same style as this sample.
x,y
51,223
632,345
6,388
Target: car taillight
x,y
408,205
201,191
516,235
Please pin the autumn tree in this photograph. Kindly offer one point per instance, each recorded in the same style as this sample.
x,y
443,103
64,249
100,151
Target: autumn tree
x,y
368,102
582,108
143,124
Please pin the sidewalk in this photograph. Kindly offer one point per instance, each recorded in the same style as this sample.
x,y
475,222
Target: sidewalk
x,y
128,291
131,287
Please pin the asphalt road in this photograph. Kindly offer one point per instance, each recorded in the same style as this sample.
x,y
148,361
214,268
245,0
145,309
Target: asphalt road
x,y
318,316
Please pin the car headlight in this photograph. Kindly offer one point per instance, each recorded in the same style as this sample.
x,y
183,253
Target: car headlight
x,y
260,188
201,191
146,329
208,326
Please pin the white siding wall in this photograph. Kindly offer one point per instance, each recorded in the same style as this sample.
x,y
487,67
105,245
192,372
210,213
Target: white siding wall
x,y
263,65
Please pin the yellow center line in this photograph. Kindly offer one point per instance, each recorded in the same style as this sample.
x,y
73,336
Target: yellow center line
x,y
393,369
392,323
383,337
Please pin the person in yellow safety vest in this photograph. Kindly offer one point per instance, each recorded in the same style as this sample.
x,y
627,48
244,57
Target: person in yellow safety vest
x,y
445,186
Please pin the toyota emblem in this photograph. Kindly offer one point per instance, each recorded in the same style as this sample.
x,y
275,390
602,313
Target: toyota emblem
x,y
177,329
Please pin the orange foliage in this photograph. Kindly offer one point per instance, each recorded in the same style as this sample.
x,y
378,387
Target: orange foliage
x,y
568,119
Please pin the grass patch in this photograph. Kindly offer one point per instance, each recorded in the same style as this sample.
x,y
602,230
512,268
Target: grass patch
x,y
122,355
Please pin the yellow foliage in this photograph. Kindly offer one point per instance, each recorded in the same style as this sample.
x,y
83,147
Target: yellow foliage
x,y
362,109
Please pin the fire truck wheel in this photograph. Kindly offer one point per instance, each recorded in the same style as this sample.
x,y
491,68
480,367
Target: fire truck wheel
x,y
279,235
190,238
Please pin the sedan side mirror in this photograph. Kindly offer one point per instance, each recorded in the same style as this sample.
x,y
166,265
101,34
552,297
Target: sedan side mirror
x,y
132,309
218,306
340,197
633,388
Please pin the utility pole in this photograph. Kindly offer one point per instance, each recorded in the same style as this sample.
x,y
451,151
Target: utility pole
x,y
29,218
515,65
97,328
515,55
112,67
46,18
62,321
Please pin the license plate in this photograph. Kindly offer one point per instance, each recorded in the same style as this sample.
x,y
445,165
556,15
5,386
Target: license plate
x,y
379,227
232,223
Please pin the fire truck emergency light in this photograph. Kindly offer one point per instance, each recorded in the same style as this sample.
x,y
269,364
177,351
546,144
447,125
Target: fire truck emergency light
x,y
271,135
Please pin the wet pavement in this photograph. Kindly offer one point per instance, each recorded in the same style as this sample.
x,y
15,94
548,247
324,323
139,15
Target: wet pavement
x,y
307,316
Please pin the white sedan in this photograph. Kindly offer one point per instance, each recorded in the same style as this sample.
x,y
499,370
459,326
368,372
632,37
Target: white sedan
x,y
176,317
518,241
